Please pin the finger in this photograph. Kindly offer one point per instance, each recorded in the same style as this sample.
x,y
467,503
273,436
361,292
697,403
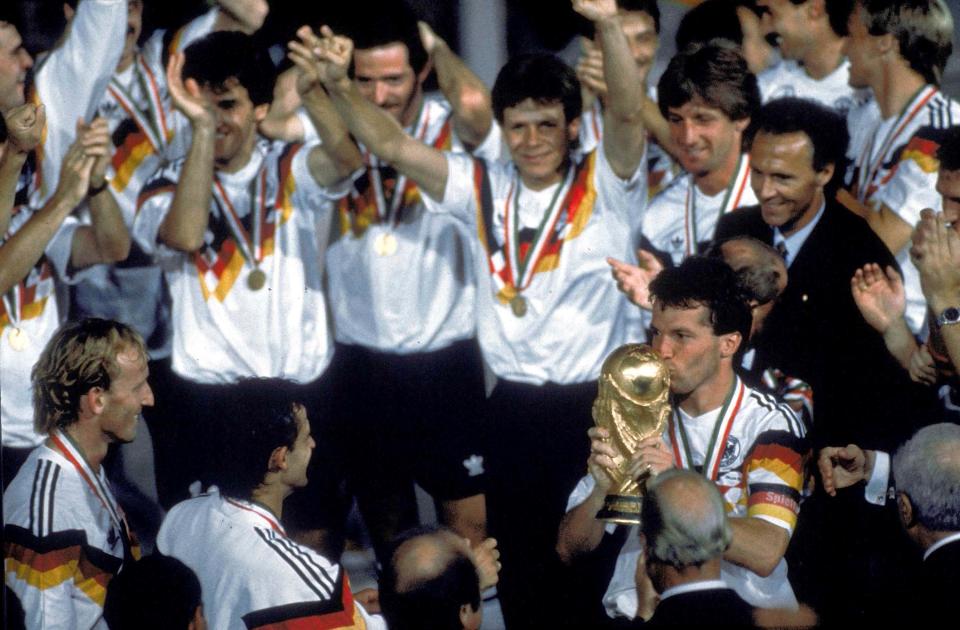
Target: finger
x,y
598,432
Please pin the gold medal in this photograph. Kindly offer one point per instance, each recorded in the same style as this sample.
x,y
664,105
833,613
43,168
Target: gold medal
x,y
518,305
18,339
257,279
385,244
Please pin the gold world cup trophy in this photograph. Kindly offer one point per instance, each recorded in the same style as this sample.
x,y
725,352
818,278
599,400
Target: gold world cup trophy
x,y
632,404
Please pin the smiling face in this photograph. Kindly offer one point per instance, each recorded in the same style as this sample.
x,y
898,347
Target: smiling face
x,y
539,139
707,139
14,63
783,178
685,340
237,119
129,392
641,34
385,78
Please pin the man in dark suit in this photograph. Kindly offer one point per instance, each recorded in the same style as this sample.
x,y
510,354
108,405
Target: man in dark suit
x,y
815,333
685,532
927,474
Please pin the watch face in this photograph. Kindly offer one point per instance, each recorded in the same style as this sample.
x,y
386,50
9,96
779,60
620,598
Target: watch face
x,y
950,315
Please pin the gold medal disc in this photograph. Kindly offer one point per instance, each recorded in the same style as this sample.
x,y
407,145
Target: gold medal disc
x,y
18,339
518,305
257,279
385,244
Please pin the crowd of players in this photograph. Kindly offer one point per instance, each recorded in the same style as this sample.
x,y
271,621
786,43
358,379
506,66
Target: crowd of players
x,y
293,269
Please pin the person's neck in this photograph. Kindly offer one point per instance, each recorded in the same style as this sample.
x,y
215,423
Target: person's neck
x,y
823,58
91,444
709,570
126,60
410,116
537,184
808,215
717,180
241,159
271,496
711,394
898,84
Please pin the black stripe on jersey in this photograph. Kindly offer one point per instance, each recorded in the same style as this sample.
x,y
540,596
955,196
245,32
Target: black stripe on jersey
x,y
775,488
785,439
770,403
52,500
289,612
105,562
42,498
271,541
33,495
318,572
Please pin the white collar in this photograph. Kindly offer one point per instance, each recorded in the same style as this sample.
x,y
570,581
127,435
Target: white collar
x,y
690,587
795,241
941,543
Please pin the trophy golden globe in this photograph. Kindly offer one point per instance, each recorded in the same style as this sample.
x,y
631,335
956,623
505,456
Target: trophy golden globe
x,y
632,404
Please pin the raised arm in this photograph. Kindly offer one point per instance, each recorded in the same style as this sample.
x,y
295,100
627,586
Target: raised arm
x,y
468,95
881,299
20,252
380,133
338,156
24,125
936,254
623,138
107,238
185,223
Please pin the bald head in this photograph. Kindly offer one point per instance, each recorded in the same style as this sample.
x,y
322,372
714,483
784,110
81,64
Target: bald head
x,y
927,470
430,582
761,271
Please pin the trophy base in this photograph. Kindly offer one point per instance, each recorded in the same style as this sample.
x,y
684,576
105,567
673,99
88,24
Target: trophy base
x,y
622,509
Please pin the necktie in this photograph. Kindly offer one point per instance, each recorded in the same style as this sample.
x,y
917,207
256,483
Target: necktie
x,y
782,249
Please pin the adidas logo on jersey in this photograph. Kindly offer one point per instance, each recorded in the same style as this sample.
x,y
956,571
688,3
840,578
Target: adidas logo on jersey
x,y
474,465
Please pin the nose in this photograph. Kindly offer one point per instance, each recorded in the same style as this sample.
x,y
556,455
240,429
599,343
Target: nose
x,y
662,347
766,190
687,135
380,93
26,61
148,397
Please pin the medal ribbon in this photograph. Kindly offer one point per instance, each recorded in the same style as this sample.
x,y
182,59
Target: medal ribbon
x,y
251,248
731,200
97,483
520,271
13,303
391,214
867,169
154,122
714,452
260,511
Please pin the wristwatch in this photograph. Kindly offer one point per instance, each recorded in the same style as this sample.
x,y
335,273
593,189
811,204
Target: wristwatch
x,y
949,316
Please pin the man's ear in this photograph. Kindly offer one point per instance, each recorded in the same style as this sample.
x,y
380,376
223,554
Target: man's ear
x,y
573,129
424,72
741,125
198,622
905,509
825,174
260,111
68,12
92,402
729,344
278,459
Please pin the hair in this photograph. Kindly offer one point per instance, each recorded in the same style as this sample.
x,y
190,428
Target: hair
x,y
683,519
431,599
259,417
713,19
155,593
224,55
80,356
715,72
949,151
923,30
708,282
927,469
759,277
541,77
650,7
838,13
377,23
825,128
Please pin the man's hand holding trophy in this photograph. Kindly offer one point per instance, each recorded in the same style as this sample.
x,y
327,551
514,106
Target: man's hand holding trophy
x,y
631,412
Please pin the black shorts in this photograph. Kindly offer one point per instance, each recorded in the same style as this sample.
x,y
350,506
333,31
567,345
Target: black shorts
x,y
409,418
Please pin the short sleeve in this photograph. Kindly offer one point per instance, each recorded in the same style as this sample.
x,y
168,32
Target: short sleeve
x,y
911,186
459,196
774,472
627,196
310,194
